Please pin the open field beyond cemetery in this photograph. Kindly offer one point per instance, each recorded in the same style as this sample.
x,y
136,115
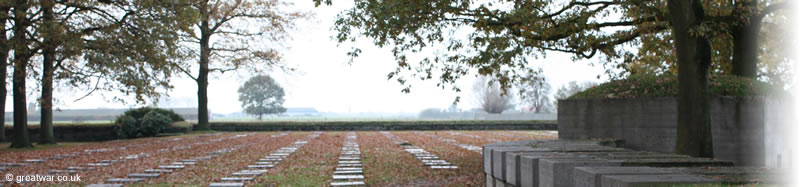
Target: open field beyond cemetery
x,y
401,158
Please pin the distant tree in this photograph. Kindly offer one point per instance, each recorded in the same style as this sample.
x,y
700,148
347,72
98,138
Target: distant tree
x,y
535,92
570,89
431,113
261,95
490,96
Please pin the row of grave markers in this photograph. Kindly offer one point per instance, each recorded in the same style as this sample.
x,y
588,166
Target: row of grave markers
x,y
262,165
453,142
427,158
166,169
471,136
93,165
349,171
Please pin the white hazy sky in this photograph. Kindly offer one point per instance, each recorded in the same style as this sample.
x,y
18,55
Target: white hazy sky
x,y
326,82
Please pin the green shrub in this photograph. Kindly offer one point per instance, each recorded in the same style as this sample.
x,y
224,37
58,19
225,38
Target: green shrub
x,y
665,86
140,112
144,122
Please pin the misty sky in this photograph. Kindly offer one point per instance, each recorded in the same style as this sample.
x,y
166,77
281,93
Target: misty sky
x,y
326,82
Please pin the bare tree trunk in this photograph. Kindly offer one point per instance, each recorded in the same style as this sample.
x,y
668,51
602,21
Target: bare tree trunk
x,y
3,68
202,77
46,101
693,131
745,40
21,138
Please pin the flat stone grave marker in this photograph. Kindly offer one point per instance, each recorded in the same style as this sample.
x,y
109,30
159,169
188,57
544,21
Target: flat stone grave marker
x,y
188,160
348,168
348,172
202,158
62,171
444,167
260,166
264,163
144,175
237,179
171,167
350,165
348,183
105,185
79,168
124,180
98,164
109,161
347,177
13,164
226,184
34,160
269,159
350,162
184,163
157,171
349,158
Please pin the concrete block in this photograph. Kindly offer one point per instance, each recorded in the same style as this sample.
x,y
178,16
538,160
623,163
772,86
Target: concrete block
x,y
529,167
489,180
556,172
590,176
499,159
513,174
652,180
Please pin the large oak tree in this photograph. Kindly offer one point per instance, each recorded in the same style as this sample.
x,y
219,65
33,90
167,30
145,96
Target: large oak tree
x,y
497,38
235,34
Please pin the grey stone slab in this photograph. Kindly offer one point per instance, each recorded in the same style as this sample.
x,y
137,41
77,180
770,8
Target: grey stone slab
x,y
349,183
444,167
350,162
349,158
157,171
62,171
171,167
559,172
436,163
513,164
35,160
590,176
348,168
349,172
105,185
184,163
143,175
489,180
529,167
260,166
673,162
225,179
264,163
347,177
350,165
226,184
98,164
109,161
79,168
499,159
124,180
188,160
13,164
652,180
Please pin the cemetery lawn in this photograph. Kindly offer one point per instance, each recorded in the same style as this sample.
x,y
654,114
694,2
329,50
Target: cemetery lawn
x,y
215,155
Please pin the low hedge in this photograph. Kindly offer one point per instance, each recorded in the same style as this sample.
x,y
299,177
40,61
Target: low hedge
x,y
382,125
667,85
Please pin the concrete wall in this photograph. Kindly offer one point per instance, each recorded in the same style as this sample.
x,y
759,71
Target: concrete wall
x,y
739,125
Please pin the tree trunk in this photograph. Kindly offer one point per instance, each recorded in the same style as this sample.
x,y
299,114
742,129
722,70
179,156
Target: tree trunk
x,y
202,77
3,69
21,58
46,101
745,40
694,58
